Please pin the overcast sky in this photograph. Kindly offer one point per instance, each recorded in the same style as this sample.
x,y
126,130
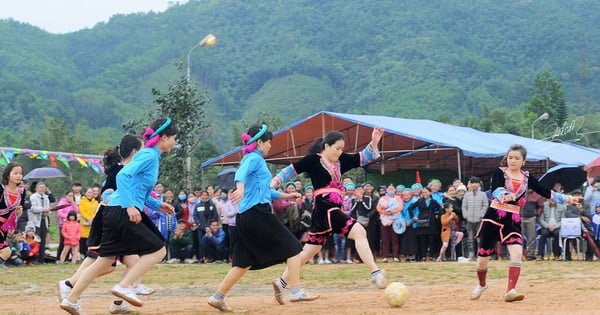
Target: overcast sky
x,y
64,16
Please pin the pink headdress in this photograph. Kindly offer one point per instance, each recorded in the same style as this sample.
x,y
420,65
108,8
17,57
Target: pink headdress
x,y
151,137
249,142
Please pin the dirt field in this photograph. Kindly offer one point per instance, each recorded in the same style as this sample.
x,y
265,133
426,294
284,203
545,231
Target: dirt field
x,y
550,287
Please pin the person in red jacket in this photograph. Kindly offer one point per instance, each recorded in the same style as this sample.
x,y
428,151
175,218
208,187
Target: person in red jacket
x,y
71,232
31,256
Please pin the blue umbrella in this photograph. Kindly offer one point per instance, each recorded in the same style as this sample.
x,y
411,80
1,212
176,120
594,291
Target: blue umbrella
x,y
570,176
225,178
44,172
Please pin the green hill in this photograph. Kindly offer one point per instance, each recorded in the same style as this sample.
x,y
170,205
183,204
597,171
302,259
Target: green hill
x,y
414,59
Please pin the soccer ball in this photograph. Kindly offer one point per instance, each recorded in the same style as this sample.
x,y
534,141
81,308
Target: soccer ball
x,y
396,294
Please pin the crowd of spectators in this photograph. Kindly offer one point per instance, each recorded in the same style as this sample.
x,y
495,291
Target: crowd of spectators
x,y
439,224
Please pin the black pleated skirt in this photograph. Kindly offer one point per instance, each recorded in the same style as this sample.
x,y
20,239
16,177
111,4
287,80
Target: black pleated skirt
x,y
121,237
262,240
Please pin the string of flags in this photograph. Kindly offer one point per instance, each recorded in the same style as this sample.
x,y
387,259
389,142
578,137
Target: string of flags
x,y
85,160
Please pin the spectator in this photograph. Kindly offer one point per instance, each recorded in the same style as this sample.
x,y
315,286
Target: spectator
x,y
575,210
436,190
213,243
69,204
305,212
595,223
348,247
223,219
450,234
592,196
373,232
14,238
389,207
474,206
427,230
287,210
451,196
23,218
96,188
30,247
204,212
408,239
76,189
533,207
71,233
181,245
158,189
231,211
362,209
87,209
38,215
550,222
170,220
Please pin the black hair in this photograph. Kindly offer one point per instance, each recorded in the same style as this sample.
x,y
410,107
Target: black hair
x,y
514,147
330,138
72,213
8,169
114,155
255,129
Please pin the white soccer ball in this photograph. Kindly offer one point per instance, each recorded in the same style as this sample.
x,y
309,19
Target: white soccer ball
x,y
396,294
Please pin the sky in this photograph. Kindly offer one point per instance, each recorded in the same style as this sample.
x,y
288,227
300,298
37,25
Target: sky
x,y
65,16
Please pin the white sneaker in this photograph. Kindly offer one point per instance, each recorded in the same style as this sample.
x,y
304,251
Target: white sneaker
x,y
327,261
321,261
143,290
396,260
72,308
63,290
380,280
278,291
477,292
173,261
119,309
303,296
127,294
189,261
513,296
349,261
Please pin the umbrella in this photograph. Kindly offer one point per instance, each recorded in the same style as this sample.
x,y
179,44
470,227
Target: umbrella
x,y
225,178
569,176
593,168
45,172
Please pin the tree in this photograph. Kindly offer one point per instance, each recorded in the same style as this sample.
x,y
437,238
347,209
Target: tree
x,y
184,105
547,97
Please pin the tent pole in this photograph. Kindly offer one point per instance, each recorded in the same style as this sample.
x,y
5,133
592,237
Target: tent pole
x,y
356,138
458,161
293,140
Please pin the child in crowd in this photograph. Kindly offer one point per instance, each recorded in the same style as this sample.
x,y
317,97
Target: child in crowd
x,y
30,247
449,233
71,233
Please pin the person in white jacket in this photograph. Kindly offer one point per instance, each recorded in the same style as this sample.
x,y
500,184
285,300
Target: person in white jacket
x,y
474,205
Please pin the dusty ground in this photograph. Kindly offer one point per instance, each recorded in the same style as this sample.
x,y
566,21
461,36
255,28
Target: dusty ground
x,y
435,288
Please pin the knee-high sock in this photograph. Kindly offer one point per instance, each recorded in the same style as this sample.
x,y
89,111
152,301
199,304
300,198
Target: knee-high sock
x,y
481,275
514,270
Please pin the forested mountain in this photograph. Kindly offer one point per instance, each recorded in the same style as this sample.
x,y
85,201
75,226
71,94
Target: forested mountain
x,y
438,60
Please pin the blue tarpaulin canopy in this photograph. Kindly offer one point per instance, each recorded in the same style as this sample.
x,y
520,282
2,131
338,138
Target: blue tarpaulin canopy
x,y
416,144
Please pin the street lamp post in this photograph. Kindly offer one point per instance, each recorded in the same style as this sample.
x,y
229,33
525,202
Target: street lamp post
x,y
208,40
543,116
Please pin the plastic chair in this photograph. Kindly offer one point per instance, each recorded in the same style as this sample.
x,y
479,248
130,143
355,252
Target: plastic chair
x,y
570,229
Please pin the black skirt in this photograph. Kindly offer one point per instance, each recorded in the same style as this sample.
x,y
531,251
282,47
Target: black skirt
x,y
123,237
262,241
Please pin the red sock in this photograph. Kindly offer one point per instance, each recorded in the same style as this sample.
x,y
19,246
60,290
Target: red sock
x,y
481,275
513,276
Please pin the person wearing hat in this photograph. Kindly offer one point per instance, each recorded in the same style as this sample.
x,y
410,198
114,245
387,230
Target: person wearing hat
x,y
30,252
181,244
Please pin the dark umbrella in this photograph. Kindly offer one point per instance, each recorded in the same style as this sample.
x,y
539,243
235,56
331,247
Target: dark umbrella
x,y
44,172
569,176
593,168
225,178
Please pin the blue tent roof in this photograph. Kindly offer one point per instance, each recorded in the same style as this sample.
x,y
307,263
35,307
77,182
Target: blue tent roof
x,y
416,144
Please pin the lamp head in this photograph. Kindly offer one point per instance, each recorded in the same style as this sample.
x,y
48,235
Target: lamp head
x,y
209,40
544,116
